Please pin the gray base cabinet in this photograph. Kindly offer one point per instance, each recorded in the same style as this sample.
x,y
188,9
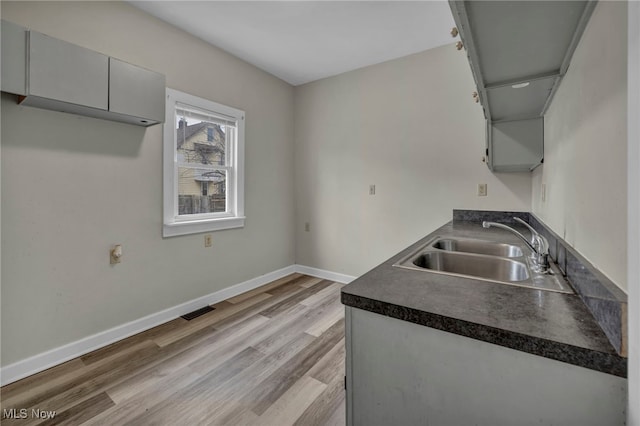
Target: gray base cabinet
x,y
400,373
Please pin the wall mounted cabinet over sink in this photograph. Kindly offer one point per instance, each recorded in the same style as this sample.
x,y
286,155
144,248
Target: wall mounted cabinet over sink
x,y
518,51
49,73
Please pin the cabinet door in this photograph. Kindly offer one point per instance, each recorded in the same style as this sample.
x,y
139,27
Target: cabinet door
x,y
517,146
68,73
136,91
14,58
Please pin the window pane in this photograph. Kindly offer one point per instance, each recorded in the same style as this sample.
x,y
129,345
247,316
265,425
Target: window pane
x,y
195,114
201,191
200,141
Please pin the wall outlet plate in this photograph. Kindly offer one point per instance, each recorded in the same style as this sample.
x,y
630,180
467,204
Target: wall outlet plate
x,y
482,190
208,240
115,254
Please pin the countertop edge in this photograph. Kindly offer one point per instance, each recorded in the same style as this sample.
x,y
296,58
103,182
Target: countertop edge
x,y
582,357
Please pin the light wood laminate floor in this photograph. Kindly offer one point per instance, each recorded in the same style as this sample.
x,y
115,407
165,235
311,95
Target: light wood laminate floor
x,y
272,356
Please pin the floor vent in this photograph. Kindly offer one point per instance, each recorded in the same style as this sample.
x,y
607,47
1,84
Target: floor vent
x,y
196,314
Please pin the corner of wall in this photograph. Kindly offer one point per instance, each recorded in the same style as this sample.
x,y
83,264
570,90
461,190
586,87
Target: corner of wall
x,y
585,179
633,173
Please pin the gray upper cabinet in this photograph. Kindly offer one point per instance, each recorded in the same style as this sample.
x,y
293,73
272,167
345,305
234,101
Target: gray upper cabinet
x,y
68,73
515,145
14,45
49,73
135,91
518,51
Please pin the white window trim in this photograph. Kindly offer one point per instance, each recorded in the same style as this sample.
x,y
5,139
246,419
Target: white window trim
x,y
172,225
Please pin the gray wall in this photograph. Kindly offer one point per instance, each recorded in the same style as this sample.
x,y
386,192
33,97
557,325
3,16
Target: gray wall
x,y
585,162
410,127
73,186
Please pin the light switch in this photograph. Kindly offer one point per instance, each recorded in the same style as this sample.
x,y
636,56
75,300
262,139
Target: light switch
x,y
482,190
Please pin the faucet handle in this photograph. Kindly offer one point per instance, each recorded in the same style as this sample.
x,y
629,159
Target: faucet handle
x,y
517,219
537,239
534,233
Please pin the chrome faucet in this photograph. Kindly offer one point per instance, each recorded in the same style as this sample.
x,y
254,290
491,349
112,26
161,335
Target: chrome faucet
x,y
537,240
538,244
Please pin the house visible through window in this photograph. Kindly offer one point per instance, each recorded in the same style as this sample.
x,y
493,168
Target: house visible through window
x,y
203,162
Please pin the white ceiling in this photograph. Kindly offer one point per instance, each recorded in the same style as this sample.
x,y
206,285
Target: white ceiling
x,y
303,41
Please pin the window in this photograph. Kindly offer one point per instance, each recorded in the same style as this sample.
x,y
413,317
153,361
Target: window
x,y
203,165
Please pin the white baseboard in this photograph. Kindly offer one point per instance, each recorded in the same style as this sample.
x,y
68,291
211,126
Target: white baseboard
x,y
51,358
324,274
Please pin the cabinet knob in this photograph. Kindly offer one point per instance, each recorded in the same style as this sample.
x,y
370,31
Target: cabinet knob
x,y
475,97
454,32
459,45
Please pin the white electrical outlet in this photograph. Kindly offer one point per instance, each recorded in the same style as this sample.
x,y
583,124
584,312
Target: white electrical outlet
x,y
208,241
372,190
482,190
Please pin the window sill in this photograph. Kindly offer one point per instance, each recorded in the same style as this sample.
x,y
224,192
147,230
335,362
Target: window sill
x,y
174,229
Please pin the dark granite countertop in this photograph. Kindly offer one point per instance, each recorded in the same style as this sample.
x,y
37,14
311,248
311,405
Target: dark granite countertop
x,y
553,325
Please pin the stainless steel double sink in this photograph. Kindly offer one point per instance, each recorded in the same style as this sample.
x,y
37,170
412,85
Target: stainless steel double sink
x,y
483,260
